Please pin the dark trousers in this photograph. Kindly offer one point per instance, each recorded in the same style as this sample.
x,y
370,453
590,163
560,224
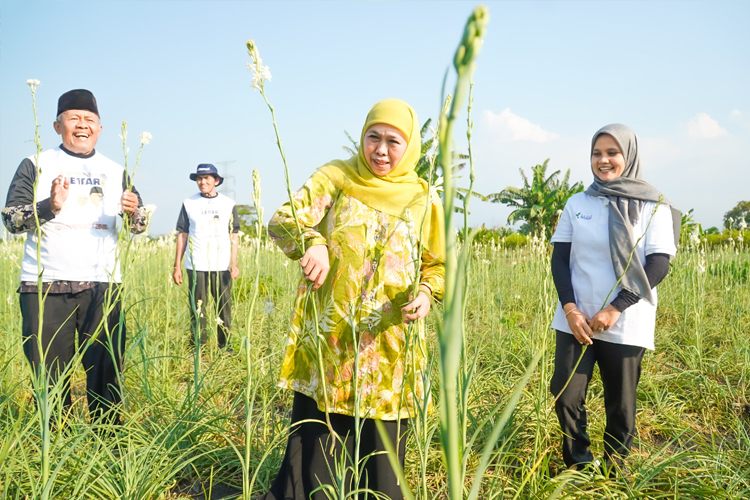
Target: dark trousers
x,y
308,463
620,369
82,312
218,284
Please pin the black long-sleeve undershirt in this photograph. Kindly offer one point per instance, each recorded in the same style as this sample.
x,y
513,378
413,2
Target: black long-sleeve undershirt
x,y
656,268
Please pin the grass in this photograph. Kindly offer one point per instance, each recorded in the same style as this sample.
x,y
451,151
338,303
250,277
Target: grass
x,y
693,400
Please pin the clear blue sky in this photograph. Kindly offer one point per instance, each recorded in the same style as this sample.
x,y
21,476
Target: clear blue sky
x,y
550,74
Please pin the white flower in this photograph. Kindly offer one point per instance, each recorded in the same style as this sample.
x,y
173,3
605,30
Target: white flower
x,y
149,209
146,137
286,263
743,224
33,83
409,221
695,238
219,321
260,73
518,297
701,268
268,308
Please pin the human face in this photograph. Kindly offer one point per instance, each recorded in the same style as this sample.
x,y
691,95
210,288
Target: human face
x,y
206,184
607,161
384,147
79,130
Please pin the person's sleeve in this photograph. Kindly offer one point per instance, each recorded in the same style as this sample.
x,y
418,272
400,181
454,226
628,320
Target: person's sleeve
x,y
657,268
433,273
18,214
140,219
235,220
561,273
183,222
660,233
311,202
564,229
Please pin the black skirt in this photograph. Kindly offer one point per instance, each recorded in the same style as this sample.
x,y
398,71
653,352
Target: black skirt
x,y
308,463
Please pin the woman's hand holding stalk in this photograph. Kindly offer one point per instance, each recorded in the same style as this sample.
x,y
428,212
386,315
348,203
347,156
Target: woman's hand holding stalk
x,y
315,265
417,308
604,319
578,323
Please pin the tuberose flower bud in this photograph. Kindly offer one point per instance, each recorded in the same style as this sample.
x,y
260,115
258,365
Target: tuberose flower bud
x,y
471,43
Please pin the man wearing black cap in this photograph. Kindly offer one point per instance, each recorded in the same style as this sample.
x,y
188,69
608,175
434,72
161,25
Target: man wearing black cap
x,y
78,243
208,227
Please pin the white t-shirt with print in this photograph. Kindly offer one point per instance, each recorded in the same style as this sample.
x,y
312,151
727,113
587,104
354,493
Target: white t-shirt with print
x,y
585,224
80,243
209,247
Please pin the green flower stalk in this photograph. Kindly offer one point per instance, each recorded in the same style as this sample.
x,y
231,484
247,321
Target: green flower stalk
x,y
261,74
247,481
33,84
450,336
467,369
124,243
40,377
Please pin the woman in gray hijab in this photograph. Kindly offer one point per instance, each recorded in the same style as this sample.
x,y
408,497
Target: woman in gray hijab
x,y
612,247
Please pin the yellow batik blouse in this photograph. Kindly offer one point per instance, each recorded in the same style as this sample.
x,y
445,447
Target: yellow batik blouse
x,y
372,269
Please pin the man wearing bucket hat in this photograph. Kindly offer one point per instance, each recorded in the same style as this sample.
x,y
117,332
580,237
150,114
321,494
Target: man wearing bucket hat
x,y
79,267
208,228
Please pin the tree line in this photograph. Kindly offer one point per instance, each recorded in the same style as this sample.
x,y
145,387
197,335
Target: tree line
x,y
537,204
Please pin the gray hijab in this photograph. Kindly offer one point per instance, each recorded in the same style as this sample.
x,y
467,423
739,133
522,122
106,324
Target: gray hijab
x,y
626,196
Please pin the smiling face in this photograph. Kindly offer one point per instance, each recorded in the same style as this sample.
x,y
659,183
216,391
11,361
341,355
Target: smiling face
x,y
607,160
206,184
79,130
384,145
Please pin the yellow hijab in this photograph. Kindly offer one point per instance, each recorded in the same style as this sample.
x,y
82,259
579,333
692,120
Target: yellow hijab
x,y
401,188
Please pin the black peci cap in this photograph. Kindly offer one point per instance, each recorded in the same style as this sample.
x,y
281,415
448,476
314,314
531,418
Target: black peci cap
x,y
77,99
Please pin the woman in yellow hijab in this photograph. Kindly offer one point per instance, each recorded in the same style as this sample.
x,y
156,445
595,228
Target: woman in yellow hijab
x,y
362,221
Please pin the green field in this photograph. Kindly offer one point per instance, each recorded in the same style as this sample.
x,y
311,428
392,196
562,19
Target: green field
x,y
693,400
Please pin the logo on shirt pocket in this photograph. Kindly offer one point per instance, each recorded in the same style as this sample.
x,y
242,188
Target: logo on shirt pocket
x,y
580,215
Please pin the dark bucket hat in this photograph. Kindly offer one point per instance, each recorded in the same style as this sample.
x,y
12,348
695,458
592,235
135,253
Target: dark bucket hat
x,y
207,169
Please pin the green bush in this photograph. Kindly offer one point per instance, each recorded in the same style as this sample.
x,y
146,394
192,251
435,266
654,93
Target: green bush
x,y
502,237
727,238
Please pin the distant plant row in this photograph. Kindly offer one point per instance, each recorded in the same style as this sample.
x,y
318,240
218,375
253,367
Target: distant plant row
x,y
538,204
